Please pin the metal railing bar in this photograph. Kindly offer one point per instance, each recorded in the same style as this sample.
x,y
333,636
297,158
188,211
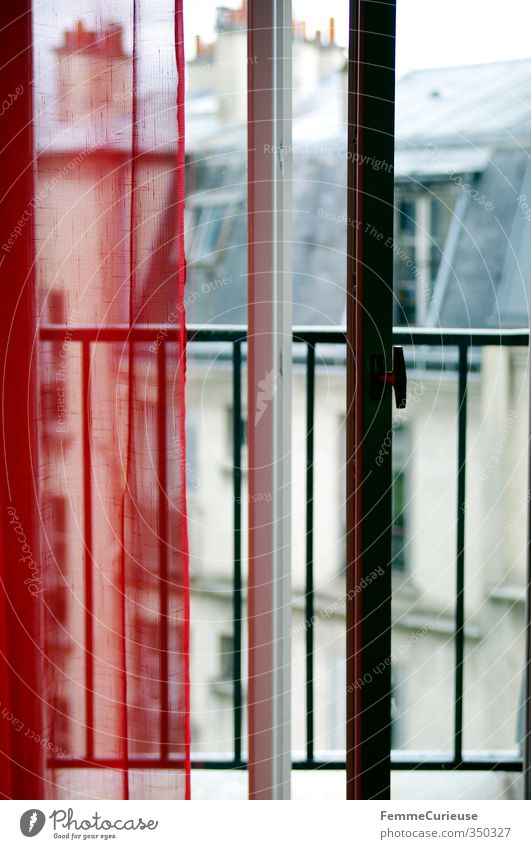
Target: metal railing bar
x,y
315,335
88,550
460,553
153,334
237,519
460,336
309,599
478,765
424,765
162,446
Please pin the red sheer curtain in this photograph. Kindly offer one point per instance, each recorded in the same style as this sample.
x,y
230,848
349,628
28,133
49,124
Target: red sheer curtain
x,y
94,596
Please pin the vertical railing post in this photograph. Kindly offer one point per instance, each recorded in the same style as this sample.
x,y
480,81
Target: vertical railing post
x,y
460,552
237,518
309,606
526,754
88,549
162,487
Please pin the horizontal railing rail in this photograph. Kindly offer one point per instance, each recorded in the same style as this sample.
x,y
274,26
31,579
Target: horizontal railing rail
x,y
462,341
314,334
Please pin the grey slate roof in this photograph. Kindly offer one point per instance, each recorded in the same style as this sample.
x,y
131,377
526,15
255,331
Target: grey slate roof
x,y
473,121
470,104
484,288
319,184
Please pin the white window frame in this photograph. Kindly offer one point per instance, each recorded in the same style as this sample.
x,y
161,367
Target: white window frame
x,y
269,389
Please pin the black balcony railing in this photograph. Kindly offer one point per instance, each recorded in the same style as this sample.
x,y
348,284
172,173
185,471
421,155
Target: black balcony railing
x,y
422,343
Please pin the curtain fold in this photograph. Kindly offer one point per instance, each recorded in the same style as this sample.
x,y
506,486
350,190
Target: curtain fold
x,y
94,604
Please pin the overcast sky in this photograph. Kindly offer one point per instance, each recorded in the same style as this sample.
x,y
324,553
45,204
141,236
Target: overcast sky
x,y
429,33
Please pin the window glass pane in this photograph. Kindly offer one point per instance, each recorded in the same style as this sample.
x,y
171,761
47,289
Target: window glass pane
x,y
216,154
319,228
406,217
216,243
462,155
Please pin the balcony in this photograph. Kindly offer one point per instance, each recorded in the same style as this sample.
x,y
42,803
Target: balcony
x,y
468,369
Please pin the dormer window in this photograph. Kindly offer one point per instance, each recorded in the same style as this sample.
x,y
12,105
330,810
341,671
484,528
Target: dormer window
x,y
422,221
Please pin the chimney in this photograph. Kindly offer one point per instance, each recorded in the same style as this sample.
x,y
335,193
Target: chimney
x,y
198,45
107,41
94,73
332,31
317,36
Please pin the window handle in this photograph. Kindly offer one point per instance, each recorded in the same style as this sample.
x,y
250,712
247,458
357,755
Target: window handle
x,y
397,378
